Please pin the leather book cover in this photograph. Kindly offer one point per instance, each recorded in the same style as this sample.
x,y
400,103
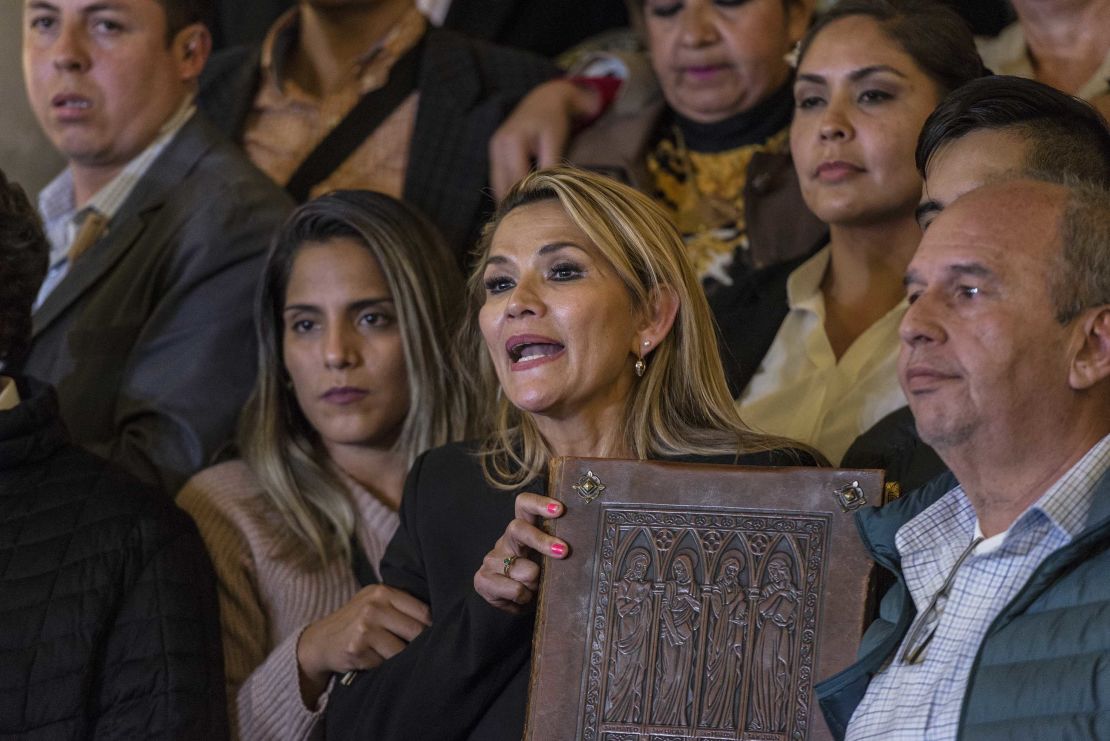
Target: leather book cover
x,y
698,602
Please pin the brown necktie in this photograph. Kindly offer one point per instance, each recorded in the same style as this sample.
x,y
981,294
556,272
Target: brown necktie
x,y
91,229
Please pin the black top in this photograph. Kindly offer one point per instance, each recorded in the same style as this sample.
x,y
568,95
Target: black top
x,y
465,677
753,126
108,613
748,318
893,445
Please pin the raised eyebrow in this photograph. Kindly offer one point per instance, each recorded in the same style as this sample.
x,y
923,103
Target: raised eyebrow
x,y
546,249
854,75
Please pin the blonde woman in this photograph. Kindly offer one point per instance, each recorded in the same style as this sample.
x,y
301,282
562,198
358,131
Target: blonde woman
x,y
599,338
358,374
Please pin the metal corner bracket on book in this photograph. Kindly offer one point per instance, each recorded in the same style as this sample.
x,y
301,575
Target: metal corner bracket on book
x,y
851,497
589,487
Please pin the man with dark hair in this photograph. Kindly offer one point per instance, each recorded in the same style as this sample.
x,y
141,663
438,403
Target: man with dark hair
x,y
355,94
183,13
998,626
109,619
998,124
988,129
157,227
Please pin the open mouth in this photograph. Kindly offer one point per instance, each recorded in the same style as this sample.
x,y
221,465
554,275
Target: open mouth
x,y
524,352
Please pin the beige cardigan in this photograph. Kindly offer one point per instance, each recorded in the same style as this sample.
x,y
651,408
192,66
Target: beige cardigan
x,y
265,603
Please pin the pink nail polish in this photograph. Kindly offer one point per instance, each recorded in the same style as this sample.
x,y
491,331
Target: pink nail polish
x,y
553,508
558,549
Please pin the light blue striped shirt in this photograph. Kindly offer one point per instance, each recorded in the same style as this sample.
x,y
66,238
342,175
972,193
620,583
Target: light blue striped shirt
x,y
915,702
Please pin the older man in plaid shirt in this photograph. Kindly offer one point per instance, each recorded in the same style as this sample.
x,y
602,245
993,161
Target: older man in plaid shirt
x,y
999,624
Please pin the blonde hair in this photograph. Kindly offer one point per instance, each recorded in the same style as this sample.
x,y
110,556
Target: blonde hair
x,y
682,405
314,512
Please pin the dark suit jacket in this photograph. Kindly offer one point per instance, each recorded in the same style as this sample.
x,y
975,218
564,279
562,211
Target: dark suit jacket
x,y
466,89
149,338
547,27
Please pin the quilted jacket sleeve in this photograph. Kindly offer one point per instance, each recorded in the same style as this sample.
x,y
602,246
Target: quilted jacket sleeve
x,y
162,669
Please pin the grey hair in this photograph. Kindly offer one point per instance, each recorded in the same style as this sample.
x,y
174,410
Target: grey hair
x,y
1080,276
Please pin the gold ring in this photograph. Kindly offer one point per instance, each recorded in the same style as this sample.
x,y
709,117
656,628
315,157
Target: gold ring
x,y
509,564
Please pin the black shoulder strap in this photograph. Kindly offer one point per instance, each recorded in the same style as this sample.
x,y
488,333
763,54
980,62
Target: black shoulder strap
x,y
371,109
360,564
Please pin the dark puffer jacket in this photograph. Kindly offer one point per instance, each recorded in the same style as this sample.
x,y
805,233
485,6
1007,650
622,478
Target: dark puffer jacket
x,y
108,615
1043,669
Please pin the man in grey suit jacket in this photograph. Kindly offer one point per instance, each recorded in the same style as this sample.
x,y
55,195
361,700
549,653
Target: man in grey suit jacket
x,y
158,227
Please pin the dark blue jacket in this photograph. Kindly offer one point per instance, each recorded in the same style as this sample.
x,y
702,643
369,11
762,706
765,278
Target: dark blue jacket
x,y
1043,669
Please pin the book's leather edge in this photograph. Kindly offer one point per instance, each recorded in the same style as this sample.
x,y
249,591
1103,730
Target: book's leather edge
x,y
554,479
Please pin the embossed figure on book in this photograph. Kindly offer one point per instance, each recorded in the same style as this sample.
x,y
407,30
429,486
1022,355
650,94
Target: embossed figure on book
x,y
632,642
775,625
704,626
678,623
728,622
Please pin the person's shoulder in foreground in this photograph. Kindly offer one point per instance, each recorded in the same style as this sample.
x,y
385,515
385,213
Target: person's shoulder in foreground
x,y
110,618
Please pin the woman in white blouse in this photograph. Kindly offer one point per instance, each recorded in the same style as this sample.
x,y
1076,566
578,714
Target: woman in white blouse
x,y
358,374
869,73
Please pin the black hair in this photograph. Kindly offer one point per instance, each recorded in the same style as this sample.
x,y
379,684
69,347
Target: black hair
x,y
936,37
182,13
1065,135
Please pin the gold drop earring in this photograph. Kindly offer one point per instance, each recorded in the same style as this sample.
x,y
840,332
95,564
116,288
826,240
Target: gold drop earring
x,y
641,366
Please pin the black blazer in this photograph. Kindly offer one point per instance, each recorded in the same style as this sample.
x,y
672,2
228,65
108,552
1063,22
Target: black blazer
x,y
467,88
